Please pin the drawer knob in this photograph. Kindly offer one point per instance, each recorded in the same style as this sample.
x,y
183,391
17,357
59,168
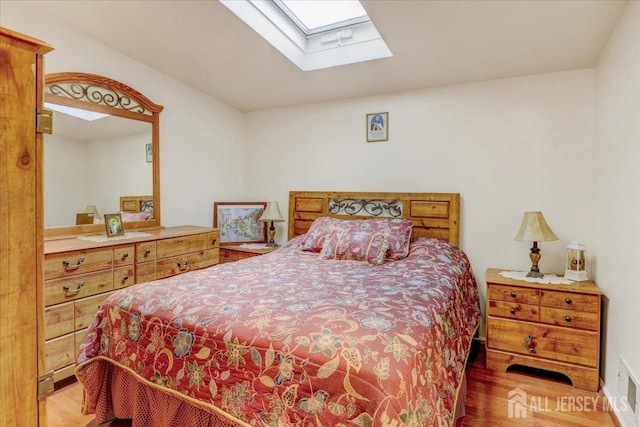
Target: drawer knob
x,y
66,263
125,278
513,294
213,241
568,301
69,291
125,255
530,344
568,318
183,266
147,252
512,311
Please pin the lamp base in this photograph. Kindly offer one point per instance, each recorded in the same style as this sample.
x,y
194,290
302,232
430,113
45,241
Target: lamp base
x,y
535,274
534,256
272,235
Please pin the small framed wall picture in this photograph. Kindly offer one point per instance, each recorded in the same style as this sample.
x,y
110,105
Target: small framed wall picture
x,y
377,127
113,223
149,151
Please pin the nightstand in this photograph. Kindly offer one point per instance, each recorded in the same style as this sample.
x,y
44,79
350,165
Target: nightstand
x,y
236,253
544,326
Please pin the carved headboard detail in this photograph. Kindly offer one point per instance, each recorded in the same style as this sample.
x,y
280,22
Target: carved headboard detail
x,y
433,214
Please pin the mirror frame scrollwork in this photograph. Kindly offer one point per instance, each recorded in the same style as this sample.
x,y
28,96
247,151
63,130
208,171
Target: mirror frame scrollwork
x,y
104,95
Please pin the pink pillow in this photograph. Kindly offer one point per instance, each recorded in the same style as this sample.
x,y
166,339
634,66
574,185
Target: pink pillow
x,y
399,237
397,231
356,242
320,229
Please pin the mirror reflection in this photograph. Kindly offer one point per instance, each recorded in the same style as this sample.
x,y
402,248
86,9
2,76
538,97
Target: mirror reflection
x,y
95,163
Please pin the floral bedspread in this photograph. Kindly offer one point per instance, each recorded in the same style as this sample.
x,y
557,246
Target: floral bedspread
x,y
287,339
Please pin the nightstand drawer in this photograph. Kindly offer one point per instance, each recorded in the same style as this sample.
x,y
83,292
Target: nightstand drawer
x,y
570,318
213,240
513,294
227,255
545,341
570,301
513,310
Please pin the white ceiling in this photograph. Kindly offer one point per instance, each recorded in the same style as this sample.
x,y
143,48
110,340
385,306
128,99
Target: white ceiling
x,y
434,43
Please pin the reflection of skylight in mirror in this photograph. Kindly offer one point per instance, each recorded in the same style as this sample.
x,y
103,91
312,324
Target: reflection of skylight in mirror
x,y
75,112
317,15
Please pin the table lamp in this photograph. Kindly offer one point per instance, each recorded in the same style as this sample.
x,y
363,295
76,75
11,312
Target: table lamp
x,y
535,229
272,213
91,209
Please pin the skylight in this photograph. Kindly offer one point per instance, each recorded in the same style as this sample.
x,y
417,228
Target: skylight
x,y
304,32
75,112
316,16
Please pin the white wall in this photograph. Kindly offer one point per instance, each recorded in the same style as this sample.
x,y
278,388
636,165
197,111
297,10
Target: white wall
x,y
617,196
68,190
196,131
115,175
508,146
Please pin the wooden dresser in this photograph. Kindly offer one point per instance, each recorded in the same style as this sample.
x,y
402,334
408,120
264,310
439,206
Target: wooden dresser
x,y
551,327
236,253
79,275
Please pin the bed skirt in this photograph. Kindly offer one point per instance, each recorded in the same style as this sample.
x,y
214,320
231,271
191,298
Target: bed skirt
x,y
121,396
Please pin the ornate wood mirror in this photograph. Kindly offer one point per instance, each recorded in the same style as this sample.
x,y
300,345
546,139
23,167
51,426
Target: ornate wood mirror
x,y
103,155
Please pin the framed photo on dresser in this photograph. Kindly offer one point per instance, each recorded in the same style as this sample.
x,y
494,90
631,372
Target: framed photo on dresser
x,y
239,222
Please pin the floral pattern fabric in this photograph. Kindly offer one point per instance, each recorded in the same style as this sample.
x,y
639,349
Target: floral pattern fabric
x,y
289,339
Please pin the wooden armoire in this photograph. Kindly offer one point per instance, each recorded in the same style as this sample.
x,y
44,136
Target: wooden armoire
x,y
21,228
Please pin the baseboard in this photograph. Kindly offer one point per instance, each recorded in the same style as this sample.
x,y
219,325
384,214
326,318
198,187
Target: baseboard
x,y
618,421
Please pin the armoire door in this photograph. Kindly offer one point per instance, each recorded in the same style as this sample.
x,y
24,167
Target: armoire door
x,y
21,228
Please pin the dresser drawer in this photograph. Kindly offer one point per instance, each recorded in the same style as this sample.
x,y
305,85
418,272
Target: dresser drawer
x,y
180,264
86,308
145,251
77,262
570,318
181,245
213,239
59,352
58,320
72,288
123,277
212,257
570,301
124,255
550,342
513,310
145,272
513,294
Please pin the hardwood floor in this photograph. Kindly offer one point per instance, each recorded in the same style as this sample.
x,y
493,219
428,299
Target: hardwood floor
x,y
546,402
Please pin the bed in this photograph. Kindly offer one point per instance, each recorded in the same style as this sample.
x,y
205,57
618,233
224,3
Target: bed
x,y
329,330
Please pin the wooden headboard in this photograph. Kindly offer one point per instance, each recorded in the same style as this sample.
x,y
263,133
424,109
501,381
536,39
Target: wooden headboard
x,y
136,204
433,214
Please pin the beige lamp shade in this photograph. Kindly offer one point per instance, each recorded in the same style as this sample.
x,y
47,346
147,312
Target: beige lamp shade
x,y
272,213
534,228
91,209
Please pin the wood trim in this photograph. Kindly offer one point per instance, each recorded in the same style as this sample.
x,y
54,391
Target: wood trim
x,y
74,77
433,214
153,118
